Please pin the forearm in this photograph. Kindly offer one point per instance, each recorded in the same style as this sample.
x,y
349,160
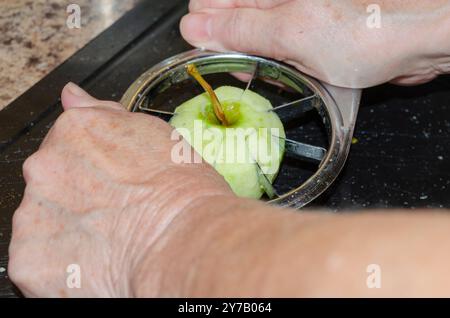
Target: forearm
x,y
214,248
245,248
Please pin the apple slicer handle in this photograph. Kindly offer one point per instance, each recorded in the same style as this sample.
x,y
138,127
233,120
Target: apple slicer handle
x,y
347,101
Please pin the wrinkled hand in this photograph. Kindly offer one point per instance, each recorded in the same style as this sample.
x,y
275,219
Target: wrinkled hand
x,y
330,40
101,190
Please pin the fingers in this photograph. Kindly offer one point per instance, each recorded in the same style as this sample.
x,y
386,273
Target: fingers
x,y
247,30
196,5
73,96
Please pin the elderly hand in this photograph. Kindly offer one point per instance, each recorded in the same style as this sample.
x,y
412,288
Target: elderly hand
x,y
104,201
334,41
101,191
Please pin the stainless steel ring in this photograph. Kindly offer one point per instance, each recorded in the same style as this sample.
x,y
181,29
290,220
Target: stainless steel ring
x,y
337,106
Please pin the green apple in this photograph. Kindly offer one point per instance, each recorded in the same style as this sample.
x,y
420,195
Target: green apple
x,y
251,141
236,132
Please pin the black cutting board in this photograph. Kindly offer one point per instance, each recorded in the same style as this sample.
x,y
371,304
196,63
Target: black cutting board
x,y
401,157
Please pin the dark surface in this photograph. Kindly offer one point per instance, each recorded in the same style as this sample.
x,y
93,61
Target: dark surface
x,y
400,160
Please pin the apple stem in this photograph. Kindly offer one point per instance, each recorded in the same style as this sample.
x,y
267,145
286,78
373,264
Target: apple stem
x,y
218,110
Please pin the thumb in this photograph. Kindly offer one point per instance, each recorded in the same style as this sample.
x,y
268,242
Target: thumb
x,y
247,30
73,96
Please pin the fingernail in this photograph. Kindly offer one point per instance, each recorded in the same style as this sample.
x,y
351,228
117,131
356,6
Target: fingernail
x,y
197,27
76,90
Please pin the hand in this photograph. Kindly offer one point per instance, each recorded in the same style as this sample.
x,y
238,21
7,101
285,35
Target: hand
x,y
330,40
101,191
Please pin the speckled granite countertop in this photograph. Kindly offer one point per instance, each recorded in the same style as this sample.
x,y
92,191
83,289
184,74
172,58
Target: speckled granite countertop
x,y
34,37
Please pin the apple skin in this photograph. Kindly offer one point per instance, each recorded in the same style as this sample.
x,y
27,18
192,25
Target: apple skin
x,y
223,146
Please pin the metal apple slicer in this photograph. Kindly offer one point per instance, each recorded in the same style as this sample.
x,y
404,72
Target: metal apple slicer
x,y
318,119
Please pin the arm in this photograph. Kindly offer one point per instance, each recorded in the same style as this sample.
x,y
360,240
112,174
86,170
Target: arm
x,y
249,249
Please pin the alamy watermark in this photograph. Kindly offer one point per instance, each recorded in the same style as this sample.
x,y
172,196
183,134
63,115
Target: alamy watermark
x,y
374,278
373,21
74,18
228,146
73,279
